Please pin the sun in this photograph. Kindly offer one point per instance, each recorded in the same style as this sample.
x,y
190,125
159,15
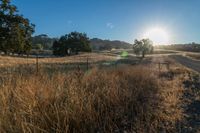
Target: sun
x,y
158,35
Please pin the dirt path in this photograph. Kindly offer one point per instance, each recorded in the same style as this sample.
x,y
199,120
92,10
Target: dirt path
x,y
192,64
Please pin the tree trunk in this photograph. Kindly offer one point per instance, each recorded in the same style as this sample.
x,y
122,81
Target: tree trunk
x,y
143,54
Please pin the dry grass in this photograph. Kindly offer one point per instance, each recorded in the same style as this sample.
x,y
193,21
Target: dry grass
x,y
122,99
162,51
6,61
193,56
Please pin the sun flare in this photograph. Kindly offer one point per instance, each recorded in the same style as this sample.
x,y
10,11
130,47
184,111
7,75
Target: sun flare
x,y
159,36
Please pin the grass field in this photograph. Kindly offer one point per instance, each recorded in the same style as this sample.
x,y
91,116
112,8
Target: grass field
x,y
126,97
93,57
194,56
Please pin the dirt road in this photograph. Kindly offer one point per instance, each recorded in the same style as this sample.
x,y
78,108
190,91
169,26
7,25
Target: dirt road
x,y
192,64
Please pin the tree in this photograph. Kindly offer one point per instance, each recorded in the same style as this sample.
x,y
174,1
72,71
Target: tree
x,y
143,47
78,42
44,40
15,30
74,42
56,48
38,47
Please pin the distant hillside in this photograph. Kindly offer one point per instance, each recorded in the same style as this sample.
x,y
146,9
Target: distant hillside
x,y
99,44
192,47
46,43
43,40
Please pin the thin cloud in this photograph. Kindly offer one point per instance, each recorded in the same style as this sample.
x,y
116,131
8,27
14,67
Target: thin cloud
x,y
110,25
69,22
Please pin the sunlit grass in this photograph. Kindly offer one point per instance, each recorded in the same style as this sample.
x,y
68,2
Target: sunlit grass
x,y
109,100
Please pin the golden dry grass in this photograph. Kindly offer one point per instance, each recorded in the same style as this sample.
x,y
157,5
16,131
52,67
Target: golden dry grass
x,y
111,100
7,61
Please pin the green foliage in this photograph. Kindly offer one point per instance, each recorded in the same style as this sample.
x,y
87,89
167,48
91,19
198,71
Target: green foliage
x,y
143,47
74,42
38,47
44,40
15,30
57,48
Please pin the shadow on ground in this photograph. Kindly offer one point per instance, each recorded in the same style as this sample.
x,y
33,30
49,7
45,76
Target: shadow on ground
x,y
192,109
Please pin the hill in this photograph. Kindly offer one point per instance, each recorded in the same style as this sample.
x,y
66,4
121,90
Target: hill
x,y
99,44
43,41
191,47
46,43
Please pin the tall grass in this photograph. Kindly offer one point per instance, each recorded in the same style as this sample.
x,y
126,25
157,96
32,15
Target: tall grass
x,y
124,99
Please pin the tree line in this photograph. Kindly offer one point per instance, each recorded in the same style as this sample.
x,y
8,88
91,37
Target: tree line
x,y
190,47
42,42
16,37
15,30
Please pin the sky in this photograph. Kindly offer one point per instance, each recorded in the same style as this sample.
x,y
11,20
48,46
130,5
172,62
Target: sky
x,y
124,20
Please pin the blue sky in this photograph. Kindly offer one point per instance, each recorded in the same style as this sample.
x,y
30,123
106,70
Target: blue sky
x,y
123,20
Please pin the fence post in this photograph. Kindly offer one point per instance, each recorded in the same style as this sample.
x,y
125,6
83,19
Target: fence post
x,y
37,65
168,66
87,64
159,67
